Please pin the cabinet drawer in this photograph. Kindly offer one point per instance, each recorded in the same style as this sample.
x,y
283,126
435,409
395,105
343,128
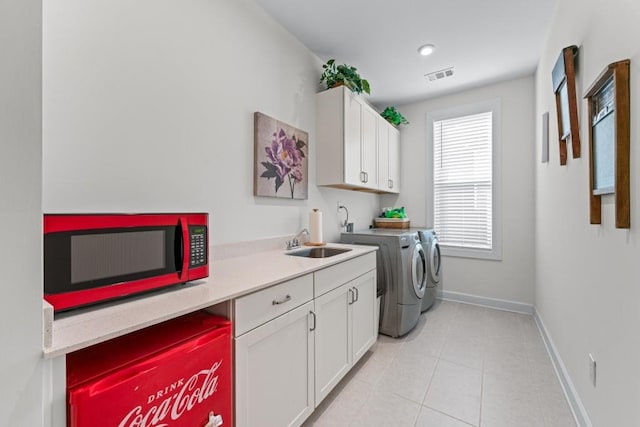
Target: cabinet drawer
x,y
334,276
257,308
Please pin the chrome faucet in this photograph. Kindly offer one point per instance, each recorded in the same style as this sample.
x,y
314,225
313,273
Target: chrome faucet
x,y
295,242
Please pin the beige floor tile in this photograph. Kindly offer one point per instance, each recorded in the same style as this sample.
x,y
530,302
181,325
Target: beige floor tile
x,y
370,369
384,409
506,356
456,390
408,376
509,402
464,351
386,348
468,328
343,408
428,343
556,409
430,418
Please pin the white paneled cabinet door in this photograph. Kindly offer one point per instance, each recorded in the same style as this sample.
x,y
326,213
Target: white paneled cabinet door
x,y
363,314
393,181
383,154
274,371
352,140
332,340
369,157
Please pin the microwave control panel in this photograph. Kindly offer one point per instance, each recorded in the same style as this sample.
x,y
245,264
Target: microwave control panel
x,y
198,245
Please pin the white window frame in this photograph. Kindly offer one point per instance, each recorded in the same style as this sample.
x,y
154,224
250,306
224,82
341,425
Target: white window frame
x,y
494,105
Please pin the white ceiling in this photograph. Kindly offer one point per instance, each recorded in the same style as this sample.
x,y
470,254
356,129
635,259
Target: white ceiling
x,y
486,41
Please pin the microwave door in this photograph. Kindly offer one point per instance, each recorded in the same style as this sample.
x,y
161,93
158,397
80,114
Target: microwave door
x,y
139,259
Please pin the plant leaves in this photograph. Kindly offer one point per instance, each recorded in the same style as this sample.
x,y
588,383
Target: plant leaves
x,y
365,86
279,183
271,171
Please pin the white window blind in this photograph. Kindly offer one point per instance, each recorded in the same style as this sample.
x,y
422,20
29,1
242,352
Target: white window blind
x,y
463,181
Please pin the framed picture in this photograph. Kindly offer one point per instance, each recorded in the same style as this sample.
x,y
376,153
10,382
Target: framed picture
x,y
609,142
563,77
280,159
545,137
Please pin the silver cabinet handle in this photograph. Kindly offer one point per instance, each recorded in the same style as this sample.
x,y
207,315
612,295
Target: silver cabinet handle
x,y
366,177
356,293
282,301
351,297
390,183
313,315
362,176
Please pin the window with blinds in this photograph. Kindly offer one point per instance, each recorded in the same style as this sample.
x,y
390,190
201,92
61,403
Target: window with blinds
x,y
462,181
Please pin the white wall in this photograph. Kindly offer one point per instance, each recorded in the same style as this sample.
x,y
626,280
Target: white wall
x,y
587,286
512,278
148,106
21,363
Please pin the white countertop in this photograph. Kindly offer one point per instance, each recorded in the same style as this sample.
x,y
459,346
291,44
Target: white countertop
x,y
228,279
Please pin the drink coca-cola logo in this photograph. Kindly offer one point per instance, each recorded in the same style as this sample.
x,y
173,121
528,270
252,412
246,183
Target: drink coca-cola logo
x,y
200,387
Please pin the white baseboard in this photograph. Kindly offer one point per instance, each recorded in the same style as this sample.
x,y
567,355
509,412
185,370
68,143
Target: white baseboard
x,y
500,304
575,403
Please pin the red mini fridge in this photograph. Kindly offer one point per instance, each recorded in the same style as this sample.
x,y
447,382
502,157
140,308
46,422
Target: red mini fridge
x,y
174,374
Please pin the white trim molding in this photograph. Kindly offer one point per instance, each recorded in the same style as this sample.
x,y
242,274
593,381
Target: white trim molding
x,y
500,304
575,403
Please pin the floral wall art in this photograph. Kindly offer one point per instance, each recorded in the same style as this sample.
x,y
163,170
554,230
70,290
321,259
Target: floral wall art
x,y
280,168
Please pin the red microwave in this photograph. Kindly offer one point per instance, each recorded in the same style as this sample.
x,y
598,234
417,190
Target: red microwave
x,y
90,258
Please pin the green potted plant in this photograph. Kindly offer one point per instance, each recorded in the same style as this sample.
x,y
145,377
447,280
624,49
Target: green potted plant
x,y
335,75
394,117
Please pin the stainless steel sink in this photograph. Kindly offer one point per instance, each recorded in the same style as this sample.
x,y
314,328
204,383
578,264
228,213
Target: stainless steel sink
x,y
318,252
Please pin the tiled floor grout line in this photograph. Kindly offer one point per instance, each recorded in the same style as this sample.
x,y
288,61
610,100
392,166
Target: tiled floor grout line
x,y
448,415
427,390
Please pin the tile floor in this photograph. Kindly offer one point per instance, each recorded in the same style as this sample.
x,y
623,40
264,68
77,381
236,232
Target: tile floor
x,y
462,365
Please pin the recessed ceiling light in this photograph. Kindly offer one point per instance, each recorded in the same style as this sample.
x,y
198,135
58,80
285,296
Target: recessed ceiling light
x,y
426,50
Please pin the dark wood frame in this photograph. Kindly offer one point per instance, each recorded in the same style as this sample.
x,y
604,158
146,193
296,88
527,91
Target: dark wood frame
x,y
618,72
564,74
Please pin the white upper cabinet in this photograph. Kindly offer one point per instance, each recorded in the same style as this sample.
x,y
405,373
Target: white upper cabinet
x,y
348,148
389,158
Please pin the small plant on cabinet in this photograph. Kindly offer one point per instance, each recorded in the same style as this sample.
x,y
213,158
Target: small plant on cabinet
x,y
394,117
335,75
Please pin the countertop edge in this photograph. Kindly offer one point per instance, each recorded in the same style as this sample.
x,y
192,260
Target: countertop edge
x,y
227,281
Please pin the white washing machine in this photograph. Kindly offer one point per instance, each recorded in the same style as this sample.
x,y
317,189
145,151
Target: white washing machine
x,y
429,241
401,275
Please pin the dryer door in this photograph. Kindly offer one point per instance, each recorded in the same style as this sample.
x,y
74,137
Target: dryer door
x,y
434,260
419,270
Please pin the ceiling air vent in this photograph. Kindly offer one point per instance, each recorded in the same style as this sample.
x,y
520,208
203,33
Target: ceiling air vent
x,y
439,75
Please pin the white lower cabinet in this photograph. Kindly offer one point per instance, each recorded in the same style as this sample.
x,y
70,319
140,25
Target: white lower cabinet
x,y
333,336
363,316
345,330
274,371
286,362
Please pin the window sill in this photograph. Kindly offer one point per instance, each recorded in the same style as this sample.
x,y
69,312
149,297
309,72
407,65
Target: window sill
x,y
494,254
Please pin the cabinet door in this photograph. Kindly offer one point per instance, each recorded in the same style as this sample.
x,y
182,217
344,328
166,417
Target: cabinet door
x,y
274,371
363,314
332,340
352,140
383,154
394,160
370,147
